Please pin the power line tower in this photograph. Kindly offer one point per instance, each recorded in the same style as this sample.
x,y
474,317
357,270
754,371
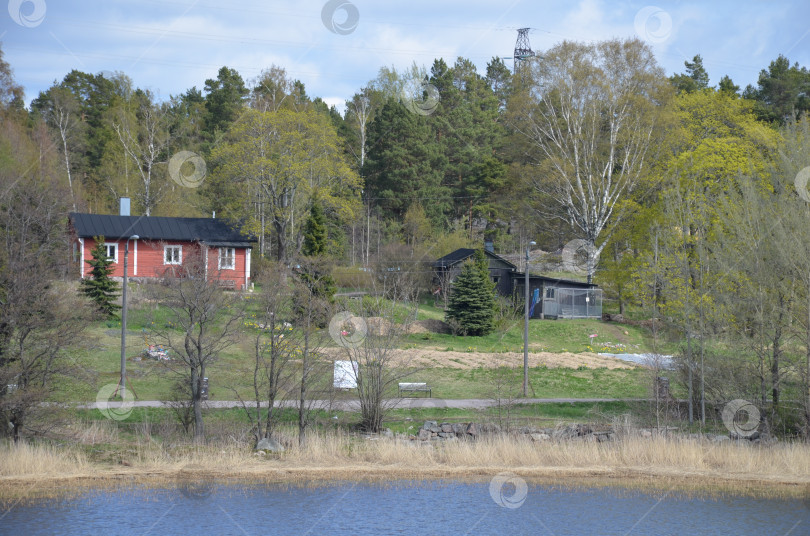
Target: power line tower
x,y
523,50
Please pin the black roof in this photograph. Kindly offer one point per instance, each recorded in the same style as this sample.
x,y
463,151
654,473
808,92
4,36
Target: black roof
x,y
463,254
209,230
520,276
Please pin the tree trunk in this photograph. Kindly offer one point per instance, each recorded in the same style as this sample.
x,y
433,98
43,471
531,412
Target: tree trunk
x,y
281,252
196,396
304,378
777,351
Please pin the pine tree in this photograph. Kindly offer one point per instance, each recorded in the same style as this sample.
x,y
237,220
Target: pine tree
x,y
472,298
99,287
315,231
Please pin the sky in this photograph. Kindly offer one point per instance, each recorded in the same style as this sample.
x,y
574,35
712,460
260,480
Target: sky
x,y
337,46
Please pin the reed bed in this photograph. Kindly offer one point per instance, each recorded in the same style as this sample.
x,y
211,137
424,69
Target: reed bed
x,y
27,460
338,455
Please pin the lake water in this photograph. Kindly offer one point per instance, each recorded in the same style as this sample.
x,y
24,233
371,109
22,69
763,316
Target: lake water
x,y
507,506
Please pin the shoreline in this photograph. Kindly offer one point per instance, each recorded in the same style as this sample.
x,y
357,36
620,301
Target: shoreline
x,y
651,479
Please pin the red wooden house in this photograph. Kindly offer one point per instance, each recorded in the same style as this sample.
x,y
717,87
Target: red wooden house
x,y
162,245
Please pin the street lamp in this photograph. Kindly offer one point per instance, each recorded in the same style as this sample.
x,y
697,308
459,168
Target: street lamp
x,y
123,383
526,325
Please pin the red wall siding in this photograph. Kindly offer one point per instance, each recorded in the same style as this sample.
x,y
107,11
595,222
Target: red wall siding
x,y
146,260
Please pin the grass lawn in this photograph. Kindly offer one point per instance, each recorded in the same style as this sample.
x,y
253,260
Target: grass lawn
x,y
543,382
544,335
99,360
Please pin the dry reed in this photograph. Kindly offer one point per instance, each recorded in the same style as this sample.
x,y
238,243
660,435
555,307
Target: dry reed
x,y
342,456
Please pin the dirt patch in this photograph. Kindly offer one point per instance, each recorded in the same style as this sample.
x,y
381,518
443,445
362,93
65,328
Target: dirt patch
x,y
431,325
431,357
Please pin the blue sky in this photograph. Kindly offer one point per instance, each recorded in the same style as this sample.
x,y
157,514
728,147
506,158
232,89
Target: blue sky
x,y
169,46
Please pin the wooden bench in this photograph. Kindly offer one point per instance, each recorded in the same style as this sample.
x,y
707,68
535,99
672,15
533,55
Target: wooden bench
x,y
228,284
414,388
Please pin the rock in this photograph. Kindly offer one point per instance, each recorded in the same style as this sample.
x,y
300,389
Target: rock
x,y
566,432
540,438
424,435
472,429
719,439
435,429
604,437
489,428
750,437
270,445
646,433
447,428
388,433
459,428
429,424
446,434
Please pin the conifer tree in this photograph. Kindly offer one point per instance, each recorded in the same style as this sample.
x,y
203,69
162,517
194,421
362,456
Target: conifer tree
x,y
472,298
315,231
99,287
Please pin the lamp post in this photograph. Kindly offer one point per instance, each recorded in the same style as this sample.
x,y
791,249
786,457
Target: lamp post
x,y
123,383
526,325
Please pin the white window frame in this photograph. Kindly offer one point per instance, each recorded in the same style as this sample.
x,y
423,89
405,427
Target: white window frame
x,y
223,255
107,251
179,255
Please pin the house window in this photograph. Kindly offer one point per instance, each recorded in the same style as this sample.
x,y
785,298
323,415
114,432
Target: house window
x,y
227,258
172,254
112,251
549,293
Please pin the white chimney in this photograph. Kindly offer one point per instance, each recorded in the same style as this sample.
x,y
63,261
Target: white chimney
x,y
123,206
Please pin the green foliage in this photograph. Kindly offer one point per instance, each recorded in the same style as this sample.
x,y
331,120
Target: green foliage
x,y
782,92
99,287
272,166
404,163
472,298
695,79
315,231
223,101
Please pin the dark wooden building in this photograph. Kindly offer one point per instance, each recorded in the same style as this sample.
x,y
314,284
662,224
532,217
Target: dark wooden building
x,y
448,267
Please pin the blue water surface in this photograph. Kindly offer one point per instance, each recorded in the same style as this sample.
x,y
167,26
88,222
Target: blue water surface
x,y
423,508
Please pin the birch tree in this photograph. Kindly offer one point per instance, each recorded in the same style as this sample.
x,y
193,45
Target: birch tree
x,y
591,112
145,140
272,166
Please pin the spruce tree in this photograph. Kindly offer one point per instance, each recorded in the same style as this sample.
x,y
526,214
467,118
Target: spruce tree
x,y
315,231
99,287
472,298
315,273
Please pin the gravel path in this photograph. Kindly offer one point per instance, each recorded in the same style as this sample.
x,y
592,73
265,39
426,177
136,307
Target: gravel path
x,y
397,403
